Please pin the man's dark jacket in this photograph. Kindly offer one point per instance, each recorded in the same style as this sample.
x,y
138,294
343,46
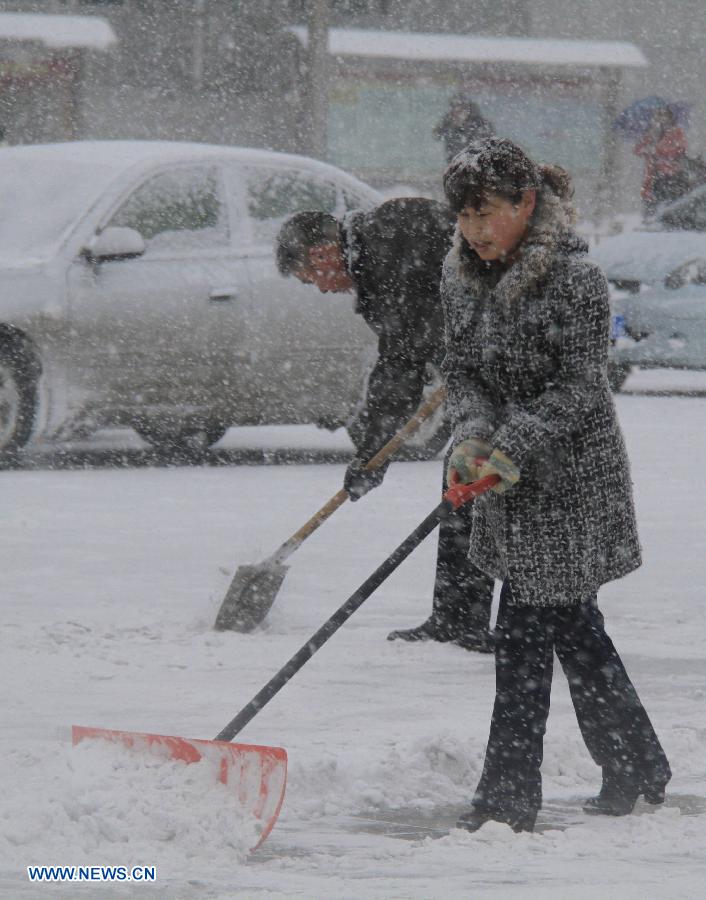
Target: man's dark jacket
x,y
394,254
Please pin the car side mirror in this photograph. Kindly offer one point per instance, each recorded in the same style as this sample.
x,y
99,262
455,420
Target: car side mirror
x,y
115,243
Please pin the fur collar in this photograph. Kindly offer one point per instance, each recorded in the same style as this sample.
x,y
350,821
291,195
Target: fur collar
x,y
548,236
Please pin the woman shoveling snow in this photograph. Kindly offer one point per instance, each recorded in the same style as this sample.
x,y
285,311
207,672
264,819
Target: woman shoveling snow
x,y
527,321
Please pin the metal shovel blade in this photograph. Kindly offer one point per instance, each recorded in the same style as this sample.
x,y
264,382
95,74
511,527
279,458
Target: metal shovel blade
x,y
258,775
250,596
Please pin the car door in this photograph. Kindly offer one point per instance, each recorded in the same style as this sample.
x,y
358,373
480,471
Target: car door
x,y
142,326
308,350
674,316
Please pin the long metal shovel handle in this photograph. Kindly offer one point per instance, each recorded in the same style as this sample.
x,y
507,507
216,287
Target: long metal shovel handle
x,y
338,499
455,497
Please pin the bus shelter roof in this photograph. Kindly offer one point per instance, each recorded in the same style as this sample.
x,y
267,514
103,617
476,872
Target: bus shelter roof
x,y
419,46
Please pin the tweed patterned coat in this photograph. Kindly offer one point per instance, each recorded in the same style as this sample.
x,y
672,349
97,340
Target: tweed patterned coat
x,y
526,370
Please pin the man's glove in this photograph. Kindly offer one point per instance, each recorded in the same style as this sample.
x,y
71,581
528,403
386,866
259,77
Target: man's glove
x,y
463,467
357,482
499,464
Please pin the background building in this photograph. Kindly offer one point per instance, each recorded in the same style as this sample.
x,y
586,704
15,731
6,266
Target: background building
x,y
237,71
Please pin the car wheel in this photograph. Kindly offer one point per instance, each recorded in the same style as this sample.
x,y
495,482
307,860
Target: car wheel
x,y
188,443
617,375
18,399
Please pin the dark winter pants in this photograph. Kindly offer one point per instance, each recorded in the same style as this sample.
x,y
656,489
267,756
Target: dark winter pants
x,y
614,725
463,595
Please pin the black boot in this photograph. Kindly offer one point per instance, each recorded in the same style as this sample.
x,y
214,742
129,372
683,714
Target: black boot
x,y
619,796
423,632
518,821
444,632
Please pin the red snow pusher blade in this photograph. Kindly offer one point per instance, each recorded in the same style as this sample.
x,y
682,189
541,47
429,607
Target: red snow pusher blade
x,y
258,775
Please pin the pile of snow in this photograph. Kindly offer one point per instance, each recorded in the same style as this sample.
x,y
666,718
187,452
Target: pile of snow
x,y
109,804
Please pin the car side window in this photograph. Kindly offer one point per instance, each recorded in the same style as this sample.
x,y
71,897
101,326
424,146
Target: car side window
x,y
275,194
182,209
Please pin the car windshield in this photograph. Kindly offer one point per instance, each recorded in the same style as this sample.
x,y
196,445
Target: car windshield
x,y
41,200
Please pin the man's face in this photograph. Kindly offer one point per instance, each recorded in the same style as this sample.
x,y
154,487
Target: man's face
x,y
326,269
496,229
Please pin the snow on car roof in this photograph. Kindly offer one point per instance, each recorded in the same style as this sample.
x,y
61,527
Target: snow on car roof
x,y
117,156
648,256
469,48
47,187
92,32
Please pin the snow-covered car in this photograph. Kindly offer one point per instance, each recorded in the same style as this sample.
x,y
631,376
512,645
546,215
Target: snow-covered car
x,y
658,287
138,287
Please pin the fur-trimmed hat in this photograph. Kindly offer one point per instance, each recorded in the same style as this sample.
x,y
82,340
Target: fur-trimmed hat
x,y
498,166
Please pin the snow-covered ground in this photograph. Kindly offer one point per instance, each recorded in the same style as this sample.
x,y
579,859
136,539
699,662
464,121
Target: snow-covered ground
x,y
112,579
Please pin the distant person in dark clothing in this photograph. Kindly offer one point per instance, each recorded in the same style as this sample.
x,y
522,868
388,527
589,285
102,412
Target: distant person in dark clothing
x,y
391,257
462,124
663,148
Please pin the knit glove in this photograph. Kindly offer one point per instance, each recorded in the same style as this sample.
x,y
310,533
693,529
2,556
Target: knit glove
x,y
357,482
463,466
499,464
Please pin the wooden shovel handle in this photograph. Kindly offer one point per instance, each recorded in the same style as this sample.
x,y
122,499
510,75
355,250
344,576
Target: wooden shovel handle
x,y
338,499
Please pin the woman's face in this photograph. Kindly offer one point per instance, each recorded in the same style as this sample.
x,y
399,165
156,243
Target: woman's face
x,y
496,229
